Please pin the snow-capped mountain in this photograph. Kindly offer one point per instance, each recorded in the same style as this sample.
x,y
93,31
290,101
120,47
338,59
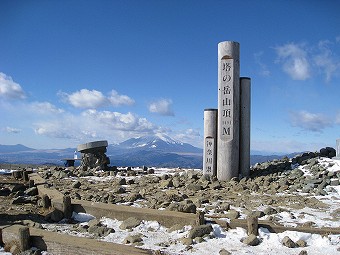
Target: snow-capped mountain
x,y
158,142
155,150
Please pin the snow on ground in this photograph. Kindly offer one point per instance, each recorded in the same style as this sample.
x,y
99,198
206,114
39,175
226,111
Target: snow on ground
x,y
6,171
157,237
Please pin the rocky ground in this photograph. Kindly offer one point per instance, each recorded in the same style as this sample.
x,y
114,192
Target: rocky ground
x,y
285,191
273,187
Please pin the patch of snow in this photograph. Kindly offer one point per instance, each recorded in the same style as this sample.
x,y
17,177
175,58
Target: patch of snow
x,y
82,217
6,171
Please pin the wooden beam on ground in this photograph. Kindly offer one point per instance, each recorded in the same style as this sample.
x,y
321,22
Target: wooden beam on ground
x,y
276,228
60,244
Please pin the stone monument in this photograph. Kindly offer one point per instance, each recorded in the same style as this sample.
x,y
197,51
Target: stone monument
x,y
228,130
93,155
337,149
210,142
229,144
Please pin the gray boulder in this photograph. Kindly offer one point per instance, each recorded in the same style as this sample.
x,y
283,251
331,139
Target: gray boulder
x,y
251,240
130,223
133,239
200,231
286,241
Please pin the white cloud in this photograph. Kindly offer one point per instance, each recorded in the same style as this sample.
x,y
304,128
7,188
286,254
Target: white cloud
x,y
56,129
90,124
12,130
294,60
337,118
162,107
264,71
310,121
118,121
325,61
44,108
191,136
117,99
92,99
337,39
86,98
10,89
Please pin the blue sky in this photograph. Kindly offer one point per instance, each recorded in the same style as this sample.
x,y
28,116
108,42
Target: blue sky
x,y
78,71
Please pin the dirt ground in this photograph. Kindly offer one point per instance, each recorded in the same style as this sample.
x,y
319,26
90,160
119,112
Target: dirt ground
x,y
13,213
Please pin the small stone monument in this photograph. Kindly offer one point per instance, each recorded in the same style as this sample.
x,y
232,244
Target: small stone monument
x,y
337,149
93,155
210,142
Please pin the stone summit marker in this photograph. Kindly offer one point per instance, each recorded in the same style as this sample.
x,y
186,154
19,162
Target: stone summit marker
x,y
228,134
230,142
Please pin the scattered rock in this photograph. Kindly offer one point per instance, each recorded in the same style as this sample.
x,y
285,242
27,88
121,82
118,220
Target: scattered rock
x,y
286,241
186,241
31,191
251,240
130,223
301,243
133,239
76,185
232,214
55,215
200,231
224,252
100,231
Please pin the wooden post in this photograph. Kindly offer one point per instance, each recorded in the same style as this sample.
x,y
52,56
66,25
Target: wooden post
x,y
24,238
31,183
67,207
1,241
25,176
252,223
46,201
200,218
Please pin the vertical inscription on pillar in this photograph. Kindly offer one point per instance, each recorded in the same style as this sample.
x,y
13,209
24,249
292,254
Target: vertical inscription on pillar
x,y
209,155
226,97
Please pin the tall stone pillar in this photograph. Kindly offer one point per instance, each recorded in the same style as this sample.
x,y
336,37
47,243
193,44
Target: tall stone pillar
x,y
228,110
210,142
245,92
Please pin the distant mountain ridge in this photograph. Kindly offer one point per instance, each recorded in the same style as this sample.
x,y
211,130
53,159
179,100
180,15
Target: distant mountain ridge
x,y
152,150
14,148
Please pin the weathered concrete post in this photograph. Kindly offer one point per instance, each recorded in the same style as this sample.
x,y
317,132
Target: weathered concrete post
x,y
252,224
210,142
67,207
24,238
245,126
228,110
46,201
1,241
